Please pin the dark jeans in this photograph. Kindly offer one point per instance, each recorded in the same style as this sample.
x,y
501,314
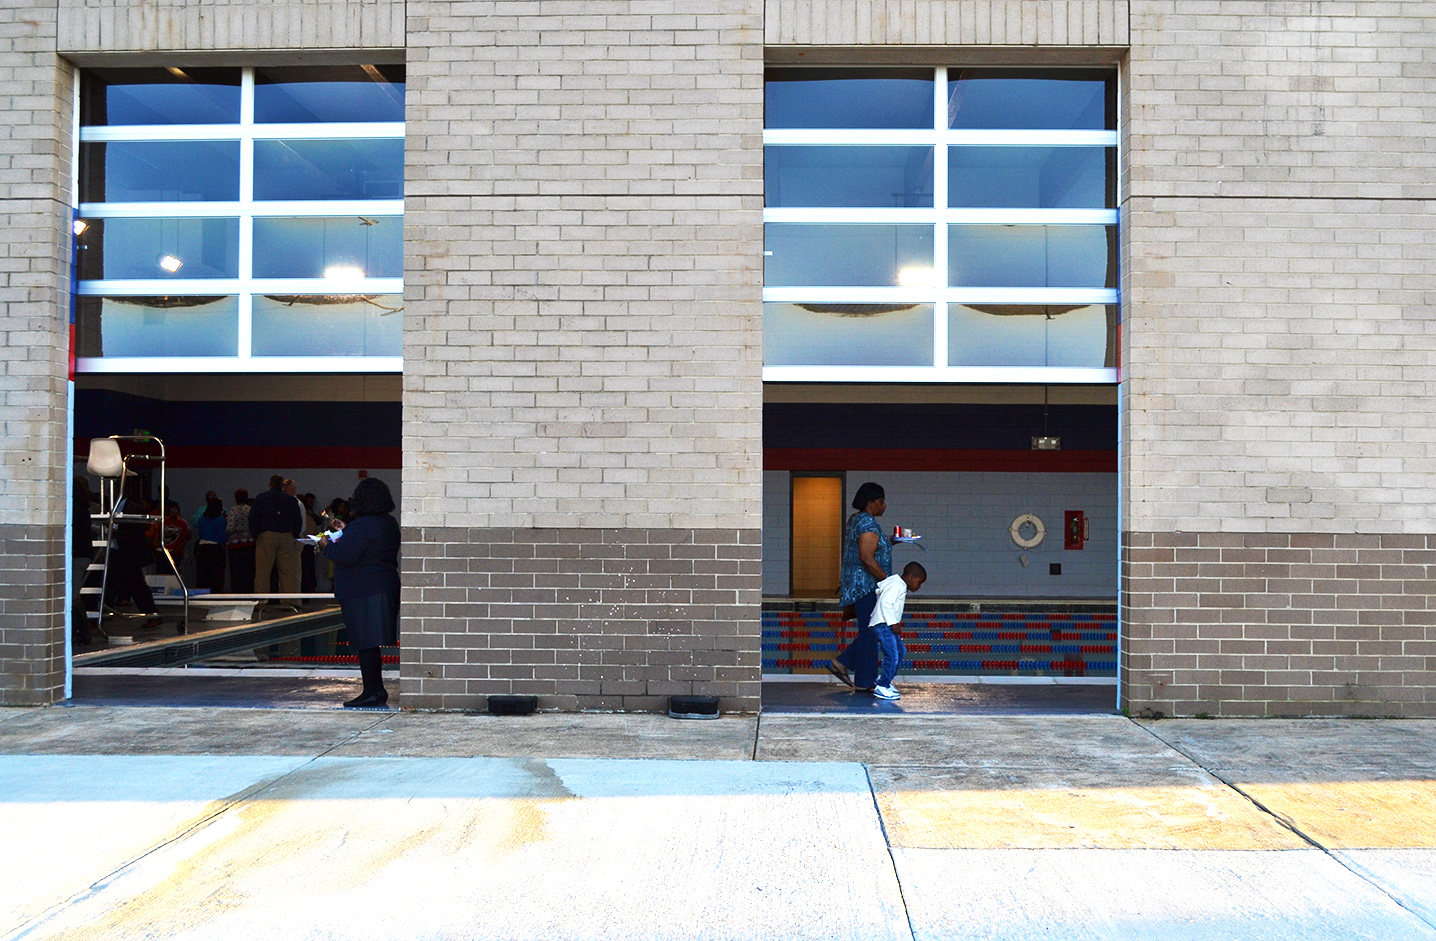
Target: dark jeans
x,y
861,656
209,566
241,568
127,578
893,651
308,582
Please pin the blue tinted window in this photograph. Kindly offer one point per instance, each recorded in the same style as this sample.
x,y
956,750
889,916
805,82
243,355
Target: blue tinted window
x,y
1015,99
1032,256
159,171
797,255
329,169
848,176
307,94
1030,177
343,248
849,98
159,248
327,325
157,326
847,334
159,96
1032,335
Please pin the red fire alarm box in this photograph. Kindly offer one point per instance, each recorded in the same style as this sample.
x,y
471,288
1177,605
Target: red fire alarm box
x,y
1074,529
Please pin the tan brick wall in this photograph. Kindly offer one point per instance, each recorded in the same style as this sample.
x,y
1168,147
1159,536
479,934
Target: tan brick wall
x,y
583,339
1277,356
90,29
34,329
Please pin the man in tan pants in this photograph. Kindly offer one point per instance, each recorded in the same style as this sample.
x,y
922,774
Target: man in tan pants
x,y
276,522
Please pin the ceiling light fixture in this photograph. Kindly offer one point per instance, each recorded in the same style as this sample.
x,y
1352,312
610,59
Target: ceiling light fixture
x,y
170,263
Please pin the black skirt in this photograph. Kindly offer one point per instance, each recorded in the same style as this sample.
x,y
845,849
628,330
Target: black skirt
x,y
371,620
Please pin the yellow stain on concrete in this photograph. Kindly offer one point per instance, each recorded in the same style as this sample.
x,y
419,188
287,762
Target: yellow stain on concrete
x,y
1210,817
1356,814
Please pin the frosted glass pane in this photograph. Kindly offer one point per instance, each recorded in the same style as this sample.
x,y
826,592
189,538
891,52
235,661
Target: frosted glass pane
x,y
159,171
164,248
1058,256
1029,177
847,335
848,176
847,255
329,169
1031,335
343,247
157,326
332,325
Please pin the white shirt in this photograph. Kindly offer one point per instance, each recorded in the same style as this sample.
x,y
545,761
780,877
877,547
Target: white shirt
x,y
892,593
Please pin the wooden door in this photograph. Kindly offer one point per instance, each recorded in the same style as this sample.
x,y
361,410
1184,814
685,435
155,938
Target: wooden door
x,y
817,536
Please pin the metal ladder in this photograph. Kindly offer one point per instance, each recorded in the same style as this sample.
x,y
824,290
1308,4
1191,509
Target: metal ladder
x,y
113,460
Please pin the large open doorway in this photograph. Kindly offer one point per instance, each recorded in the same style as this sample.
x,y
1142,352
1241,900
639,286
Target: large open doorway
x,y
1014,491
240,639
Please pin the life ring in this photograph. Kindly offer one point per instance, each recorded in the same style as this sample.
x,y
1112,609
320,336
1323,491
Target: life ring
x,y
1039,532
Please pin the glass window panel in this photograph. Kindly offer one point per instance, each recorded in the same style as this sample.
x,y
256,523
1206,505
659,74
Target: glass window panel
x,y
329,169
1016,99
159,96
849,98
848,176
1031,335
1032,256
847,335
328,325
164,247
307,94
157,326
1030,177
159,171
342,247
847,255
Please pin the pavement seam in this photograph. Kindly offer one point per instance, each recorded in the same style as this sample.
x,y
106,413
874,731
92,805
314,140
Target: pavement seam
x,y
38,920
757,735
888,843
1290,825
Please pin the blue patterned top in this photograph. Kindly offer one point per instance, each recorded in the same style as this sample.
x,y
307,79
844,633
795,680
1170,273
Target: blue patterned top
x,y
856,579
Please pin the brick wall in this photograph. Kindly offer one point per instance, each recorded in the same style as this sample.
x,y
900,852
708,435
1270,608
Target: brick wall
x,y
250,32
616,619
972,23
34,319
1278,348
582,340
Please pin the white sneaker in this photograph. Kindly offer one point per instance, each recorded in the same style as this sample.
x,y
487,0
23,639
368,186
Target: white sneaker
x,y
886,692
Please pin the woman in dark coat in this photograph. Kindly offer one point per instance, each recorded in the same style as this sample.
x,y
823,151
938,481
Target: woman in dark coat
x,y
365,553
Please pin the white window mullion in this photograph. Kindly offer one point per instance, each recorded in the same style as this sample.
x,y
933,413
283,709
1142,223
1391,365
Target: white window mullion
x,y
246,214
939,229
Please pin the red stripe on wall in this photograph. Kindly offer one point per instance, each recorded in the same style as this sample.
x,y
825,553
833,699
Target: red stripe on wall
x,y
270,458
939,459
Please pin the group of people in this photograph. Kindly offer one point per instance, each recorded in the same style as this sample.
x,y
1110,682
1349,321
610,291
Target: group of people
x,y
875,597
260,541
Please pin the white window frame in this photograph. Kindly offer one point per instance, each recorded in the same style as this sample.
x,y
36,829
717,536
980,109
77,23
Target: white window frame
x,y
939,295
246,209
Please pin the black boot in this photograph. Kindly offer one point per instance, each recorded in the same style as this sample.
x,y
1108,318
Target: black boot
x,y
371,664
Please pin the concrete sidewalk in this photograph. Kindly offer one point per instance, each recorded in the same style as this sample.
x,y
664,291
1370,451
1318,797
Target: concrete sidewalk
x,y
242,823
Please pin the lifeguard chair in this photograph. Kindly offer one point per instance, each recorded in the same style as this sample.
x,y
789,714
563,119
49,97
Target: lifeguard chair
x,y
116,460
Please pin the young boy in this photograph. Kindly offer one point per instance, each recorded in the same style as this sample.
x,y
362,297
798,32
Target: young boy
x,y
892,593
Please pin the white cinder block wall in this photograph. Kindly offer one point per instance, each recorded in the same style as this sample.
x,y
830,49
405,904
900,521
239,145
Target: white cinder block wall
x,y
964,519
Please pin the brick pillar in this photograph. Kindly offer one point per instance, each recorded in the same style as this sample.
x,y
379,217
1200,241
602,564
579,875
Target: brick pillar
x,y
34,344
583,351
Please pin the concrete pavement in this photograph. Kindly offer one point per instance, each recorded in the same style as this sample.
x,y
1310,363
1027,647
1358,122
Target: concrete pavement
x,y
243,823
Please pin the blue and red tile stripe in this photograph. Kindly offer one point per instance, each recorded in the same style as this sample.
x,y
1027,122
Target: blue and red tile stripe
x,y
956,642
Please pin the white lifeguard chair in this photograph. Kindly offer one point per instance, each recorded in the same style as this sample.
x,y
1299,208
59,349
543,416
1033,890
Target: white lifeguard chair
x,y
114,460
